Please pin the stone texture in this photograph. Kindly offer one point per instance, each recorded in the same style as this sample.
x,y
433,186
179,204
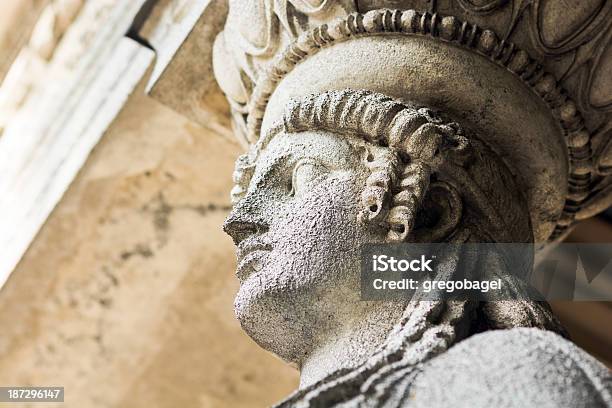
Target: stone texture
x,y
125,297
17,21
181,32
400,126
73,98
575,378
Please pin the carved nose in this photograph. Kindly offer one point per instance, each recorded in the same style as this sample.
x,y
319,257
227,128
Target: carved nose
x,y
240,229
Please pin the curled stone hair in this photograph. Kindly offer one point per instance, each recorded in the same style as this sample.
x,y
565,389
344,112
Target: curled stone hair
x,y
395,188
420,143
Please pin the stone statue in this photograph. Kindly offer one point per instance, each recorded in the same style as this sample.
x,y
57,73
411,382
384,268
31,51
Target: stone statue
x,y
412,124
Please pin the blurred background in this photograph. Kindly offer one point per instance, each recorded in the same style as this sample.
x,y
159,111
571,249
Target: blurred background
x,y
124,295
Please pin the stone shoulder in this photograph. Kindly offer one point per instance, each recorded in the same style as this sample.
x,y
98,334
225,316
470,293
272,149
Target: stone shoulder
x,y
518,367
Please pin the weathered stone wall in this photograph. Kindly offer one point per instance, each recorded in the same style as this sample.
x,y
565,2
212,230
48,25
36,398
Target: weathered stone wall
x,y
125,297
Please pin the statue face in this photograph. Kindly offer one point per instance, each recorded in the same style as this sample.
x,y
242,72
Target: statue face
x,y
298,240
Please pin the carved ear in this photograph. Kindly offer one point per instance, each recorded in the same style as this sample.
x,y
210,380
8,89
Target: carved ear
x,y
439,214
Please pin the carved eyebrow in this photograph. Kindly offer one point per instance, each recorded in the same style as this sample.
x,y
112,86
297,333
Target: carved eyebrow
x,y
287,161
270,167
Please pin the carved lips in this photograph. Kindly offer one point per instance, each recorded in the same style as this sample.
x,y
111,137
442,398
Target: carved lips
x,y
251,254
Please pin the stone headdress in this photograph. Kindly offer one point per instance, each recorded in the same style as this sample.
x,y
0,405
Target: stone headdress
x,y
528,78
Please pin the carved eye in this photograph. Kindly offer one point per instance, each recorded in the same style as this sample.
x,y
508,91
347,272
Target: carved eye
x,y
305,176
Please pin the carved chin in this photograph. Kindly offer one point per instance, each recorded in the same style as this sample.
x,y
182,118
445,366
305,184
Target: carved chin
x,y
274,316
279,307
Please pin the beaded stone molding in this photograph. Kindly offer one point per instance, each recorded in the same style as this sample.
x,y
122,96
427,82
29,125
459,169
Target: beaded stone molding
x,y
466,35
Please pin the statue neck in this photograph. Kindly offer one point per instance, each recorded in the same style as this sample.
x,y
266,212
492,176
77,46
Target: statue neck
x,y
353,343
